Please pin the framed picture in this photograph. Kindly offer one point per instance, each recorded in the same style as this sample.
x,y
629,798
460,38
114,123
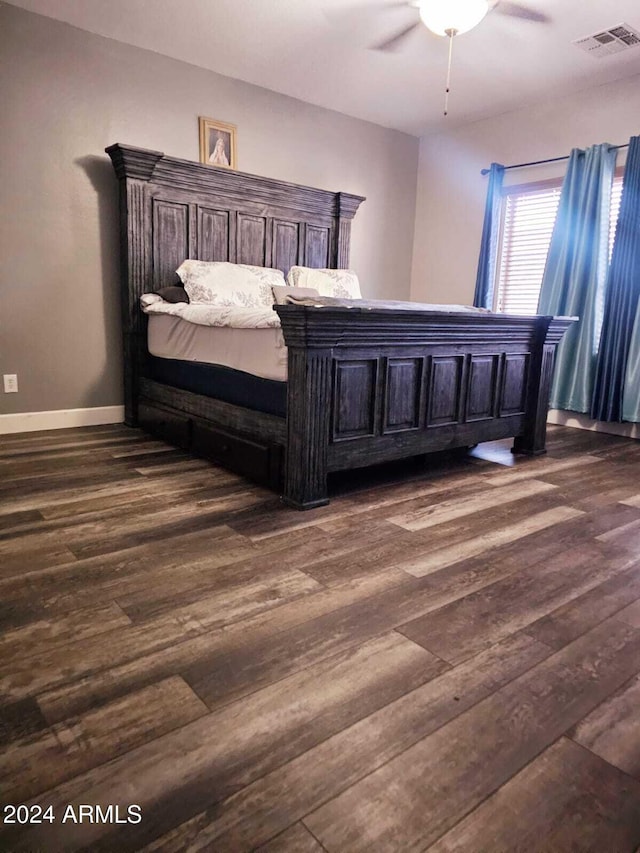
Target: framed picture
x,y
217,143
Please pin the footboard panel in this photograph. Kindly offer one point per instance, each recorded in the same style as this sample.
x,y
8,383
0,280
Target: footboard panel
x,y
370,385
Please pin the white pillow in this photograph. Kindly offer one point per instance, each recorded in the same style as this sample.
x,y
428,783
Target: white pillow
x,y
222,283
343,284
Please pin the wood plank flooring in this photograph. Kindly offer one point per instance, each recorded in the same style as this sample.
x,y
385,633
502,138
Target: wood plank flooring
x,y
445,658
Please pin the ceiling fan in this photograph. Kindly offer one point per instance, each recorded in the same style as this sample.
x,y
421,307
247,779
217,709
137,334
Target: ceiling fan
x,y
452,17
447,18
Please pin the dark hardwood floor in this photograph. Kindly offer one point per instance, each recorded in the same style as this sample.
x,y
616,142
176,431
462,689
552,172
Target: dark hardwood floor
x,y
445,658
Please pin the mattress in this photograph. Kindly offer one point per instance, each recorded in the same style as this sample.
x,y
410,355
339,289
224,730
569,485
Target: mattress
x,y
261,352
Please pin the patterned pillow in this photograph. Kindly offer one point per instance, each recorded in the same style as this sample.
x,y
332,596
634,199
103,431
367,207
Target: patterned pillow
x,y
222,283
343,284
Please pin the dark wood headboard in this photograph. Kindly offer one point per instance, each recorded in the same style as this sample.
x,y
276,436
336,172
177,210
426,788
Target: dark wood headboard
x,y
173,209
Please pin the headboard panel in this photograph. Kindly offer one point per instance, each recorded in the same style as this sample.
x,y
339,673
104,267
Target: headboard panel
x,y
173,209
237,230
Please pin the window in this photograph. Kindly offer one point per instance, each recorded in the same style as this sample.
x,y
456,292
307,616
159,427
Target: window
x,y
616,195
528,215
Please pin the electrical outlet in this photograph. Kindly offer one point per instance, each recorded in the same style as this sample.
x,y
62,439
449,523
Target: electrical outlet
x,y
10,383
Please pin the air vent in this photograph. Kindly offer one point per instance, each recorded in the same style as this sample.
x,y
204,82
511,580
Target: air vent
x,y
610,41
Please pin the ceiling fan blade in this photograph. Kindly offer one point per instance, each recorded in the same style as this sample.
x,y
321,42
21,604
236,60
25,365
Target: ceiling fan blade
x,y
357,20
516,10
394,41
338,12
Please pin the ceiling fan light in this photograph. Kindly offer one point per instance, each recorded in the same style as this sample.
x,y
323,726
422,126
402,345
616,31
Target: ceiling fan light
x,y
458,15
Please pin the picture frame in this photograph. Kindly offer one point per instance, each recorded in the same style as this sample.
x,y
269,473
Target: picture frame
x,y
217,143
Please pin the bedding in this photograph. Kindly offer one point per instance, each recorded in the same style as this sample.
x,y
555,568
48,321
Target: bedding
x,y
377,304
246,339
223,283
343,284
288,294
258,351
205,314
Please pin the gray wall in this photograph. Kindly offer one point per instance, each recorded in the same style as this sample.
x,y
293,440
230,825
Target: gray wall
x,y
66,95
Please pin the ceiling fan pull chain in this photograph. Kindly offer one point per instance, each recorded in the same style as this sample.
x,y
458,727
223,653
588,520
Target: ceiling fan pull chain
x,y
451,33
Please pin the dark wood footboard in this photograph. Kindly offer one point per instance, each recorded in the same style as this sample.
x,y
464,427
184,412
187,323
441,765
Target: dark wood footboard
x,y
372,385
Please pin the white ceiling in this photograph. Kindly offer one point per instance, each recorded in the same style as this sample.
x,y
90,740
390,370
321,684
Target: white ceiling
x,y
319,51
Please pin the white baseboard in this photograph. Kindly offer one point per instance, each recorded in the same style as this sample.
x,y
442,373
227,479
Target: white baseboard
x,y
578,421
60,419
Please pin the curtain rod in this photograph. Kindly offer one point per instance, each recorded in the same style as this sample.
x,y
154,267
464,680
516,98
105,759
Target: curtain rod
x,y
550,160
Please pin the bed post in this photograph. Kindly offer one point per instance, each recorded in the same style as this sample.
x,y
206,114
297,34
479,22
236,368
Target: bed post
x,y
550,331
308,425
347,206
134,168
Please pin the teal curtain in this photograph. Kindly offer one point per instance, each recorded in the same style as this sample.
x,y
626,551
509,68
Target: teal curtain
x,y
575,272
619,343
631,393
483,297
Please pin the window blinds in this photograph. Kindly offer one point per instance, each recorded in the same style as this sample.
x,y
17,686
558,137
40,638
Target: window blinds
x,y
616,195
527,226
528,216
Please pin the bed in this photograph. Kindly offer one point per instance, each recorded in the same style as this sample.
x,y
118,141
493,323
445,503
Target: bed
x,y
365,382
